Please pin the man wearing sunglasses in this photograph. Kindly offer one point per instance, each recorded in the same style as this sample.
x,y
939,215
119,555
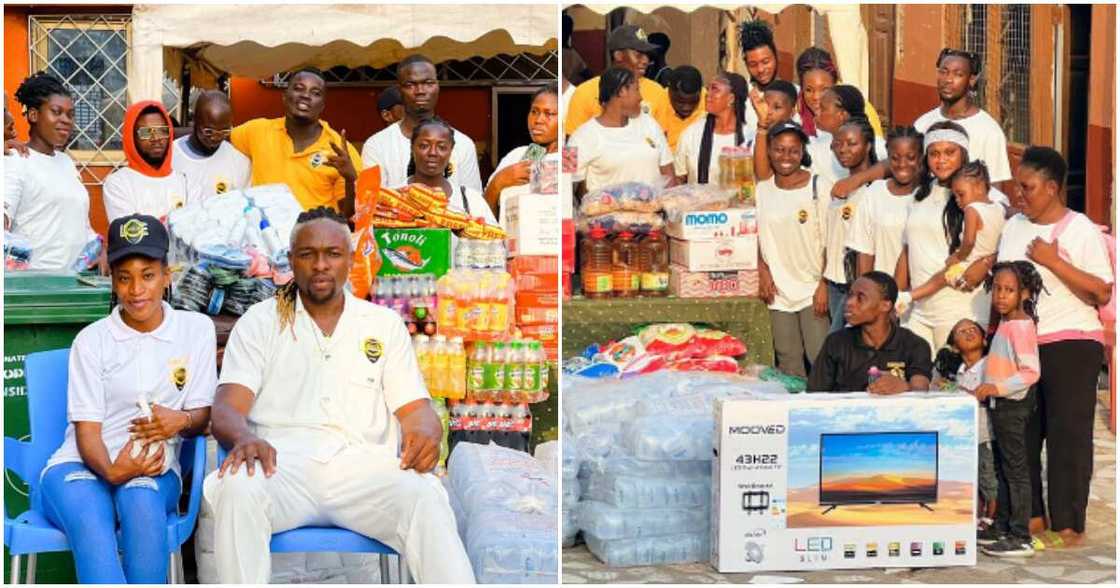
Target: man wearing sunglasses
x,y
212,165
148,185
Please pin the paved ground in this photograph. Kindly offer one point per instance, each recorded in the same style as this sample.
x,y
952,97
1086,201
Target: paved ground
x,y
1093,563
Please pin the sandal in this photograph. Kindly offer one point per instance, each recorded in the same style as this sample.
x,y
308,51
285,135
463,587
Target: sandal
x,y
1053,539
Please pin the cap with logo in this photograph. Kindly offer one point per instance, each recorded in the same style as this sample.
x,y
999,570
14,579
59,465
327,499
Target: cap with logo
x,y
785,127
137,234
630,37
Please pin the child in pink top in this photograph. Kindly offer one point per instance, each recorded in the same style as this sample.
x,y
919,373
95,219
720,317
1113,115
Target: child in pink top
x,y
1010,370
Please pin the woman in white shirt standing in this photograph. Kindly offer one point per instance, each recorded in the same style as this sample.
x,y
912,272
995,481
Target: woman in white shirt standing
x,y
44,199
879,222
140,379
792,206
433,141
697,157
1070,254
511,177
622,144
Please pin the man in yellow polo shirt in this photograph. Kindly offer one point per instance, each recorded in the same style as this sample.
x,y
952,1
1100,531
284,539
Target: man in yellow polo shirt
x,y
686,96
300,150
629,49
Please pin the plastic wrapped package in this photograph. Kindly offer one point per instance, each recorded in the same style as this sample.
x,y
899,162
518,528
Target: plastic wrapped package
x,y
549,456
569,492
639,492
569,458
640,223
669,437
569,528
513,549
17,252
610,522
627,196
650,551
590,401
628,466
506,479
678,200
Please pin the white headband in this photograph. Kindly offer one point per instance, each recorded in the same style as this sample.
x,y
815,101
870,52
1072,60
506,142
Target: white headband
x,y
947,135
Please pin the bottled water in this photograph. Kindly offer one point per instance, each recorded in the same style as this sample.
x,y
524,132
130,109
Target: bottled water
x,y
628,466
506,549
636,492
673,437
568,527
610,522
650,551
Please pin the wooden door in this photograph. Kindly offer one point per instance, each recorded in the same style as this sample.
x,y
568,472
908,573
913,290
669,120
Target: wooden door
x,y
879,20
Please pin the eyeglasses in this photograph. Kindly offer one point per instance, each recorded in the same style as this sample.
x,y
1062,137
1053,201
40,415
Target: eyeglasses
x,y
215,134
152,133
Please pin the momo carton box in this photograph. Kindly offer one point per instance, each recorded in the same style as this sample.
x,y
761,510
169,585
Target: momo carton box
x,y
414,251
532,225
844,481
686,284
710,224
720,254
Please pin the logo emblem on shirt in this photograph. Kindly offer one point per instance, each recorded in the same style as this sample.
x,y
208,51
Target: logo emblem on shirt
x,y
134,231
318,159
372,348
897,369
846,212
651,143
803,216
179,373
221,187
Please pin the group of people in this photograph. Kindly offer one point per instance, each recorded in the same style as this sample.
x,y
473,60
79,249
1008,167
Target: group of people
x,y
319,402
879,252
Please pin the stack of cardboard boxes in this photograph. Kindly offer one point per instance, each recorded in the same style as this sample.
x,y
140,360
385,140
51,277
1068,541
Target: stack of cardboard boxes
x,y
714,253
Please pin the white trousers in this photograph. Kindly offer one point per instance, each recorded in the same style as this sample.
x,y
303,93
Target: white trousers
x,y
360,489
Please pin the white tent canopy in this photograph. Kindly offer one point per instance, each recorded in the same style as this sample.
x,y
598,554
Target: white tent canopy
x,y
261,40
849,37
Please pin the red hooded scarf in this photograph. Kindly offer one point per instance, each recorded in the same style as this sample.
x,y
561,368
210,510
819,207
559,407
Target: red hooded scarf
x,y
136,161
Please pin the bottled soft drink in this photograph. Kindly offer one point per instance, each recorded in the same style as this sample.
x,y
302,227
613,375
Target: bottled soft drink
x,y
475,369
498,355
499,303
440,366
440,406
480,307
421,346
515,371
458,370
493,374
533,366
446,306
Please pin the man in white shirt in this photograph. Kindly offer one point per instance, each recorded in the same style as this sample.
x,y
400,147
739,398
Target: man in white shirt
x,y
212,165
148,185
321,387
391,148
956,76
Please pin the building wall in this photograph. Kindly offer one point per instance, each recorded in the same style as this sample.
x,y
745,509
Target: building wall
x,y
919,39
1100,155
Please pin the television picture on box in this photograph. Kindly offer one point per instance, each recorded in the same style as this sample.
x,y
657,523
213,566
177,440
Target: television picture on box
x,y
878,468
851,467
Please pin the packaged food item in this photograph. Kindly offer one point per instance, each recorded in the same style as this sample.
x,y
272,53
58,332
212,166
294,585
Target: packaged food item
x,y
678,200
632,196
667,338
712,342
640,223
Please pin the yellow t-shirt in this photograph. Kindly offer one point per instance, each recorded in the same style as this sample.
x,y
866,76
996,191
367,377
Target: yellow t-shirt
x,y
584,104
873,118
314,183
676,125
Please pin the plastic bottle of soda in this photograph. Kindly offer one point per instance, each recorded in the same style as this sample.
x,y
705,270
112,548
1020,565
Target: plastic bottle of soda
x,y
458,365
440,367
534,365
515,371
494,373
422,347
626,278
445,302
598,279
475,370
499,304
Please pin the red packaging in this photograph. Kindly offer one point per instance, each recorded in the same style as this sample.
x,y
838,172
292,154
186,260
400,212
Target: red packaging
x,y
544,333
568,245
539,282
534,264
711,342
567,281
547,298
537,315
716,363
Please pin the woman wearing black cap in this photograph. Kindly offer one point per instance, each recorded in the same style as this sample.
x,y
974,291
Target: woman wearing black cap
x,y
792,207
697,156
139,379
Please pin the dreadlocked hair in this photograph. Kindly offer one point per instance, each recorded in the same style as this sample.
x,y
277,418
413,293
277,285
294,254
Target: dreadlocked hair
x,y
37,88
428,122
1029,279
286,294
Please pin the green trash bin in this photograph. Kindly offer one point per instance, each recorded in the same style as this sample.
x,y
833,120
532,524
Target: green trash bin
x,y
42,311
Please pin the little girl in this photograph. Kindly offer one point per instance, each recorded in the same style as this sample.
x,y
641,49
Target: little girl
x,y
961,362
983,223
1011,369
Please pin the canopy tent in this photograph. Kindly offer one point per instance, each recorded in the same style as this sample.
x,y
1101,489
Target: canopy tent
x,y
261,40
849,37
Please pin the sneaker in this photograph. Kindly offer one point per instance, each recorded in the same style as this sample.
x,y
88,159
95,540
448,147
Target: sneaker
x,y
1009,547
988,536
1037,544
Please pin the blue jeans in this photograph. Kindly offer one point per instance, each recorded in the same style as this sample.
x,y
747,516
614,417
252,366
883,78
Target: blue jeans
x,y
87,509
837,294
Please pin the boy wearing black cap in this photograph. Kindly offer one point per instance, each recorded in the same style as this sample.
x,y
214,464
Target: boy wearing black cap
x,y
390,105
629,48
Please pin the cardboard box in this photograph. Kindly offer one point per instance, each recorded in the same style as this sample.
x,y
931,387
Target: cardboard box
x,y
709,224
539,282
844,481
532,225
537,308
568,245
686,284
728,253
533,264
414,251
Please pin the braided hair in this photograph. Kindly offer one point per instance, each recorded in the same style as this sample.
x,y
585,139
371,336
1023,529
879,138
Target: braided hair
x,y
863,125
738,86
911,134
428,122
612,81
37,88
811,59
286,294
1029,279
973,170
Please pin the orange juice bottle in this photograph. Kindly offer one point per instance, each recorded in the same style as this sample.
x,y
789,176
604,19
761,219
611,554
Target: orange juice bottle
x,y
499,309
480,308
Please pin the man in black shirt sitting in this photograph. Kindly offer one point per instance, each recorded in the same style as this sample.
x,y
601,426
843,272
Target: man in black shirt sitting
x,y
874,343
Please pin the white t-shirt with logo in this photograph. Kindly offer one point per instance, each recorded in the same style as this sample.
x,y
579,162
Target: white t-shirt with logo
x,y
511,158
686,161
47,204
986,141
209,175
127,191
791,239
879,222
390,149
633,153
1061,314
840,221
112,366
824,159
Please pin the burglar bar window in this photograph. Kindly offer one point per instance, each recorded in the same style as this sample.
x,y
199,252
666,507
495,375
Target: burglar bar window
x,y
523,68
1001,36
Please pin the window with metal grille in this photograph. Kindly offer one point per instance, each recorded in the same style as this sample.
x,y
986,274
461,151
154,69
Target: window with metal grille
x,y
520,69
89,53
1001,36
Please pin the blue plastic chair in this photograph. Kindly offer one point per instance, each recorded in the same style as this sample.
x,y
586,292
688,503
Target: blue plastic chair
x,y
47,375
315,539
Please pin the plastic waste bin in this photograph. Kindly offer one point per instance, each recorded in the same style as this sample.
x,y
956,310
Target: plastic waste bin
x,y
41,311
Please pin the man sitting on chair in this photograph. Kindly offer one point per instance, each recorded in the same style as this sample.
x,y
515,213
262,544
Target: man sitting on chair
x,y
321,388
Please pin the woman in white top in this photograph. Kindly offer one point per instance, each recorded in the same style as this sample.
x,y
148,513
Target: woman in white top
x,y
432,144
879,222
697,157
511,178
622,144
1070,254
44,199
139,380
932,233
792,206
